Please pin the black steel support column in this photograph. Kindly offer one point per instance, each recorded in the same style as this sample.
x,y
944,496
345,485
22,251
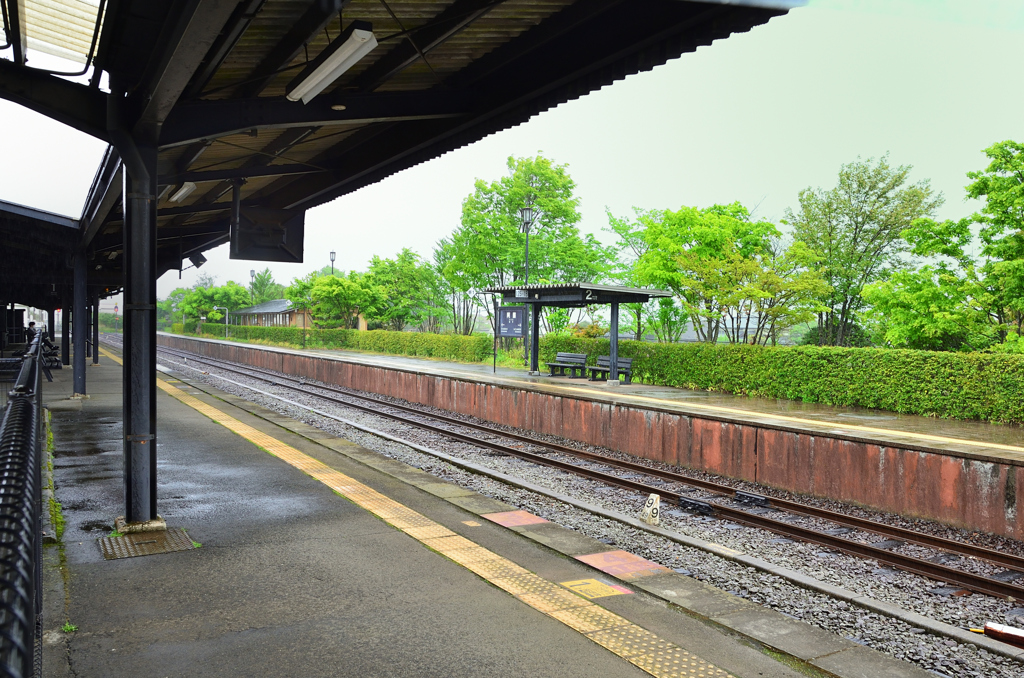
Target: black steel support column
x,y
80,330
50,316
613,351
96,330
65,329
535,339
139,371
88,326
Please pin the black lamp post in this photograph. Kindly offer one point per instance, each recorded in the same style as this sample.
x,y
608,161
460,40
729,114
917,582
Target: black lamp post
x,y
526,217
332,262
252,286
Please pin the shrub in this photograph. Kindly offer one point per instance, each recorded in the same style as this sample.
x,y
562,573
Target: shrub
x,y
954,385
473,348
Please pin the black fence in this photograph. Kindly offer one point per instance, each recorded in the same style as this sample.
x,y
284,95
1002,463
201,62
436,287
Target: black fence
x,y
21,447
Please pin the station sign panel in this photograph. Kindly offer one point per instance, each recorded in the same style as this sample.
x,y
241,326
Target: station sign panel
x,y
511,321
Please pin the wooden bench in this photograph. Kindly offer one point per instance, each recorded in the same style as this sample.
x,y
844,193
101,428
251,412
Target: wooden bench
x,y
604,366
574,362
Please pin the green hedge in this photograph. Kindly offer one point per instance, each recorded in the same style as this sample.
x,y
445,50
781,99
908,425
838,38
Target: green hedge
x,y
953,385
474,348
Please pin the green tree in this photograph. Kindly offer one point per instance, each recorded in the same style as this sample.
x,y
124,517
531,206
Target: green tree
x,y
958,301
264,289
202,301
668,321
170,309
490,242
338,300
855,227
299,292
701,255
408,284
455,283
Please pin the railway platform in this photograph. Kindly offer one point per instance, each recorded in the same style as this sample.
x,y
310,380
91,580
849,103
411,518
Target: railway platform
x,y
963,473
308,555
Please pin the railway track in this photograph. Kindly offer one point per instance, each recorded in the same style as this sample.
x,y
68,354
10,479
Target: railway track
x,y
753,509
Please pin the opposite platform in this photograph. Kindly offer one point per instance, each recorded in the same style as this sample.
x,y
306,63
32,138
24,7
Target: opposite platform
x,y
388,579
968,474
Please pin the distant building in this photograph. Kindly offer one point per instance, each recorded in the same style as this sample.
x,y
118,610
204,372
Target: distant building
x,y
275,313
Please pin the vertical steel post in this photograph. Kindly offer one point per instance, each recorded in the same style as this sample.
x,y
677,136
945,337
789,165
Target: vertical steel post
x,y
80,330
139,371
88,325
65,329
50,316
96,329
535,340
613,368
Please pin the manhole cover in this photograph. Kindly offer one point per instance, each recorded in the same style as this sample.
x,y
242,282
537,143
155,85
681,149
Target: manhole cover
x,y
146,543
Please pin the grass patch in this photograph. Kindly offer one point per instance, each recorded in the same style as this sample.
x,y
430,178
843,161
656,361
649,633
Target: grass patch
x,y
68,627
114,534
57,518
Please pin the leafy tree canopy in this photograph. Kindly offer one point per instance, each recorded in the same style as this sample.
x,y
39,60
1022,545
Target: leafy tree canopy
x,y
856,229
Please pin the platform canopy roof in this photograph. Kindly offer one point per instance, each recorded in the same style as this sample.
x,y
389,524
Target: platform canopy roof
x,y
574,295
211,76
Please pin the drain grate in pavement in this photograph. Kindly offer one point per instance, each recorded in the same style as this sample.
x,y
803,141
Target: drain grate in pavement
x,y
146,543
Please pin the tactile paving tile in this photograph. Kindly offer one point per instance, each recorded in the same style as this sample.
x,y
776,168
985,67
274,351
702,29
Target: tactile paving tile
x,y
525,583
467,557
494,568
629,640
677,663
589,618
146,543
446,544
429,532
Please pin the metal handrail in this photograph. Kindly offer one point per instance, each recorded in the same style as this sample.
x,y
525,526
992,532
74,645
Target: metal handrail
x,y
21,435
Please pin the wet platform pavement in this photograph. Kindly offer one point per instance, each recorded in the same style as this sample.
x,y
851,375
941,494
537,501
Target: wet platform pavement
x,y
972,439
292,579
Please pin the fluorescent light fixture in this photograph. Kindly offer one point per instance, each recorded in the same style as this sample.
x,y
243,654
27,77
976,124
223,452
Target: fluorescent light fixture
x,y
345,52
183,192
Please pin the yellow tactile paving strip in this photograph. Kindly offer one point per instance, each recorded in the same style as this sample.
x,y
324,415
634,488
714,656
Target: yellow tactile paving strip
x,y
636,645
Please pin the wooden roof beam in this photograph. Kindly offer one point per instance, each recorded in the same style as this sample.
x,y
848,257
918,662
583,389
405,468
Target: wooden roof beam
x,y
315,19
211,119
239,22
446,24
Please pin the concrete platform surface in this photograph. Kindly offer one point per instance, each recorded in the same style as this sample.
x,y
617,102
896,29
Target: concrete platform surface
x,y
294,580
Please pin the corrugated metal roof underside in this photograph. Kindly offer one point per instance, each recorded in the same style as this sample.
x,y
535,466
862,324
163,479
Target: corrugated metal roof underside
x,y
61,28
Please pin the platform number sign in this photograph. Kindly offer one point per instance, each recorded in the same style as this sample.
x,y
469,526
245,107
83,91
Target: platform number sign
x,y
511,321
652,510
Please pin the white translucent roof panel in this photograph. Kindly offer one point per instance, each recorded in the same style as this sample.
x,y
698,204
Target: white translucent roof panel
x,y
63,28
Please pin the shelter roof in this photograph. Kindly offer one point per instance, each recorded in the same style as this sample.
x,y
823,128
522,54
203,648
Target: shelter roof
x,y
569,295
211,76
272,306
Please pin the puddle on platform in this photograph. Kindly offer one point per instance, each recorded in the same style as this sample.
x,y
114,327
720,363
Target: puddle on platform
x,y
96,526
868,417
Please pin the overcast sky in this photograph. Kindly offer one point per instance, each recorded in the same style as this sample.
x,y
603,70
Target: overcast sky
x,y
754,118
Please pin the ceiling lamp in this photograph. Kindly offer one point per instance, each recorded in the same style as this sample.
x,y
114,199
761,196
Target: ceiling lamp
x,y
345,52
183,192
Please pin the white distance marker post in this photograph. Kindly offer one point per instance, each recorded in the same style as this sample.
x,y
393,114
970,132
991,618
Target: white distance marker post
x,y
652,510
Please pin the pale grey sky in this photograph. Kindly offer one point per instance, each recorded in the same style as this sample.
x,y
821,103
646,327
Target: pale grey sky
x,y
754,118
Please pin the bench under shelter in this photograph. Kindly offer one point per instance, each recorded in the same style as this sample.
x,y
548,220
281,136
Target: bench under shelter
x,y
574,295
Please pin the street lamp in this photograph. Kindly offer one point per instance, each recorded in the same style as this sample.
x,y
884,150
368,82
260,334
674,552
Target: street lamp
x,y
252,286
332,262
526,216
225,308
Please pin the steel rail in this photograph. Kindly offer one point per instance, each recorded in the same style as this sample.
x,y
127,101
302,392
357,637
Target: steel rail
x,y
918,566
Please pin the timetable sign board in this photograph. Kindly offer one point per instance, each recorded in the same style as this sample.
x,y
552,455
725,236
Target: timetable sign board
x,y
510,321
